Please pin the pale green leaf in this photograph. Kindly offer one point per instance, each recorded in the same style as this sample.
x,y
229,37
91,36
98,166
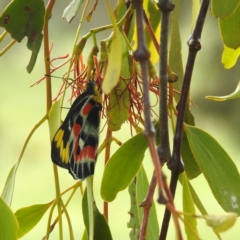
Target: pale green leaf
x,y
122,167
218,168
7,193
199,204
28,217
71,10
195,10
133,223
8,222
229,57
189,207
142,188
111,77
235,94
54,117
175,51
221,223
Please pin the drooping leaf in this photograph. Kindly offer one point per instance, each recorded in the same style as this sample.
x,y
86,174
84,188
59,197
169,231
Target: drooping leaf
x,y
199,204
153,14
218,168
72,9
195,10
7,193
222,8
221,223
54,118
8,222
101,228
230,57
122,167
175,51
133,223
28,217
142,188
188,207
229,29
111,77
119,98
25,18
235,94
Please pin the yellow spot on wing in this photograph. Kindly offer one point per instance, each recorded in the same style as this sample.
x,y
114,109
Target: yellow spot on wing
x,y
66,155
58,137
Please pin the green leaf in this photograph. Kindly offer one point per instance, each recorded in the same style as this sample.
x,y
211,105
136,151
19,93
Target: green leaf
x,y
101,228
28,217
198,203
230,56
235,94
175,51
190,165
188,207
153,15
142,188
218,168
8,222
221,223
223,8
7,193
118,111
111,77
25,18
54,117
72,9
122,167
133,223
229,29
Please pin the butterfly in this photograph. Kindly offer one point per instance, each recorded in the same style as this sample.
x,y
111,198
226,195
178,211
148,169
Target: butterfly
x,y
75,143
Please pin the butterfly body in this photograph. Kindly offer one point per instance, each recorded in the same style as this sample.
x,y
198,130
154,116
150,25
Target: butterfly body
x,y
75,144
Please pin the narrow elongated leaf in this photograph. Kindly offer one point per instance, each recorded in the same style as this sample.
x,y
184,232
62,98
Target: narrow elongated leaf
x,y
7,193
235,94
189,207
28,217
133,223
8,222
142,188
175,51
122,167
54,118
101,228
198,203
218,168
114,60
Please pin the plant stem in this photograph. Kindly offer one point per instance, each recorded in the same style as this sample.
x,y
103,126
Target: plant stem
x,y
166,7
175,162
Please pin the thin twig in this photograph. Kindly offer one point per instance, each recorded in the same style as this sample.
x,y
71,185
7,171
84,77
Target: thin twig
x,y
166,7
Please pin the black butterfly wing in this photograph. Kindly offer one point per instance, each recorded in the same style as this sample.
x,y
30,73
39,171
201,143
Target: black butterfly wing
x,y
82,160
74,143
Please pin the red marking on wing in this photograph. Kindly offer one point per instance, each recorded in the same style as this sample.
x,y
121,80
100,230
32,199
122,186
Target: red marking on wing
x,y
87,108
76,128
87,153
